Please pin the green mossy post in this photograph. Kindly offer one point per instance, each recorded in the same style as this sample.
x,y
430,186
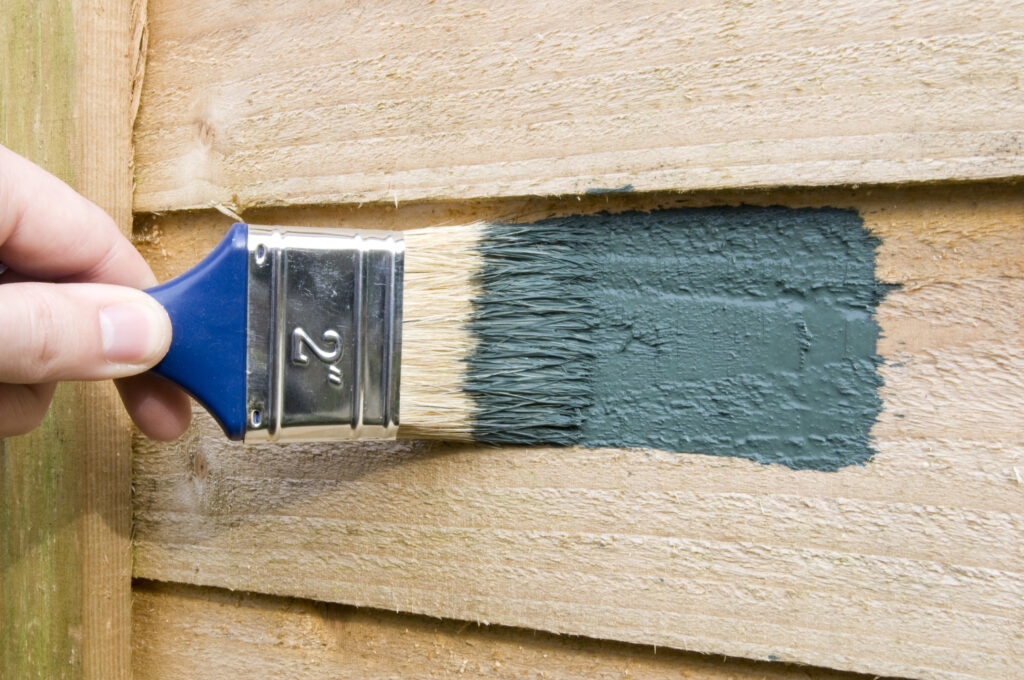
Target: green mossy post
x,y
65,103
40,588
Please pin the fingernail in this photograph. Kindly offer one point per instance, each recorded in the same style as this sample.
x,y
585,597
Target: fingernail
x,y
132,333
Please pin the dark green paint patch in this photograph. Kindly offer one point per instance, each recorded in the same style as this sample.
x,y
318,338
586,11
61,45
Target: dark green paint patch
x,y
731,331
624,189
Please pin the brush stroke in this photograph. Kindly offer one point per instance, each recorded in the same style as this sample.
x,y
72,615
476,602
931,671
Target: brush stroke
x,y
734,331
624,189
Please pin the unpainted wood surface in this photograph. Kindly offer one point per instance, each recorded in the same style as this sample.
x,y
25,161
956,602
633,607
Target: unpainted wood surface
x,y
68,76
911,565
185,632
273,102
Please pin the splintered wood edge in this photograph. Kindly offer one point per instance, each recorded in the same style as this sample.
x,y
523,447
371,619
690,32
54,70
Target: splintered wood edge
x,y
228,635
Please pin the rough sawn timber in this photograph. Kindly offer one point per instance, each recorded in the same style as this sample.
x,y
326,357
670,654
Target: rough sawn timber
x,y
285,102
238,636
911,565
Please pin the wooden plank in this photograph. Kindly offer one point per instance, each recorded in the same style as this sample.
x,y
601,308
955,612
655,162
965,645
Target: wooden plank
x,y
183,632
276,103
67,83
911,565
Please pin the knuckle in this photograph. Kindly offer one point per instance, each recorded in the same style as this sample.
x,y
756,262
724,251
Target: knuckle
x,y
23,410
34,415
42,328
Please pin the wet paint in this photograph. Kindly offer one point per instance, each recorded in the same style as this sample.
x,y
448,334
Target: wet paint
x,y
734,331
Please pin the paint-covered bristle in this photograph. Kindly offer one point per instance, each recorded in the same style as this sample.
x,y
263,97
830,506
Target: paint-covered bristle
x,y
495,334
529,374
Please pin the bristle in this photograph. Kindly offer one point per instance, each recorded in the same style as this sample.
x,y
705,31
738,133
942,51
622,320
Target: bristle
x,y
441,269
495,344
529,372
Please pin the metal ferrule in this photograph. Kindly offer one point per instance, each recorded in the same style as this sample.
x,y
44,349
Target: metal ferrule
x,y
324,334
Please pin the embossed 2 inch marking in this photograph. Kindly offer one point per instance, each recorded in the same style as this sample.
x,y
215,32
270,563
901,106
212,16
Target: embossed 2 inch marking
x,y
301,341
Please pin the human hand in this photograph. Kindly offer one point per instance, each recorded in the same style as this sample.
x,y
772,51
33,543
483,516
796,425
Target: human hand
x,y
70,308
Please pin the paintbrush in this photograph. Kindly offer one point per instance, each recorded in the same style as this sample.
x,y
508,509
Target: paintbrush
x,y
299,334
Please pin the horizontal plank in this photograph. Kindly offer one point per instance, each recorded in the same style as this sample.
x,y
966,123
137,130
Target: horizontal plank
x,y
284,103
910,565
184,632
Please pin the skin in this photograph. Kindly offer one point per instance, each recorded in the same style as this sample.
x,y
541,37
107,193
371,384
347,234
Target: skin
x,y
71,308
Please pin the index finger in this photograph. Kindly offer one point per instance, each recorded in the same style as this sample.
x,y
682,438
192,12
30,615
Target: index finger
x,y
48,231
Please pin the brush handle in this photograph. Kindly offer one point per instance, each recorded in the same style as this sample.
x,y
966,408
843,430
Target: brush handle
x,y
291,333
207,306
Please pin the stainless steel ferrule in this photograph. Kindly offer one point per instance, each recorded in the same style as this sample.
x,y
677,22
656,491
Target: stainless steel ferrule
x,y
324,334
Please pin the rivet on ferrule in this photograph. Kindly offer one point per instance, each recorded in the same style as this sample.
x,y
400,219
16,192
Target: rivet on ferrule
x,y
324,323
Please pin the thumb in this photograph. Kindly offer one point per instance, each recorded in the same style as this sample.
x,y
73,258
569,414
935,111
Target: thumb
x,y
78,331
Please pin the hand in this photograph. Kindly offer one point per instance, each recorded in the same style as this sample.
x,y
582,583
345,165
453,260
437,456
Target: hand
x,y
70,308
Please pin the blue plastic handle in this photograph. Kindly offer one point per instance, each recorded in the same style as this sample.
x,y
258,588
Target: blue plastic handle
x,y
207,306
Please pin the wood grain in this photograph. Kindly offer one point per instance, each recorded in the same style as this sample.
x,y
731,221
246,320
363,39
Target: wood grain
x,y
184,632
67,81
280,103
911,565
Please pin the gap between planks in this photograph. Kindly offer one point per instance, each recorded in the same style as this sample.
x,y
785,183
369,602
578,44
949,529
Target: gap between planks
x,y
243,635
